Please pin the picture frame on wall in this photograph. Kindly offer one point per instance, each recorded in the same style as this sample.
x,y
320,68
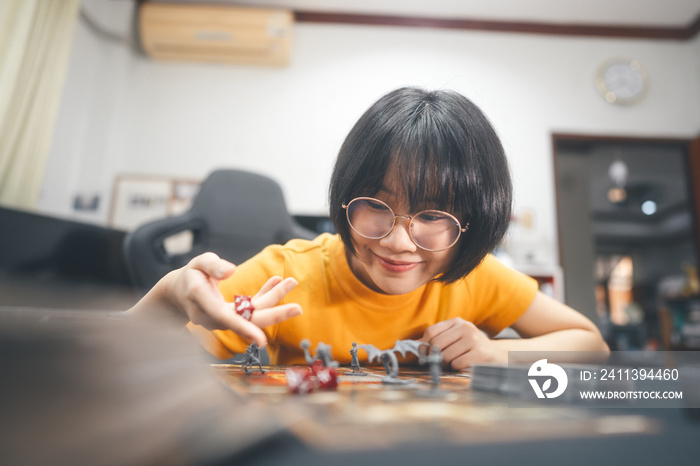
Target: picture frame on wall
x,y
138,199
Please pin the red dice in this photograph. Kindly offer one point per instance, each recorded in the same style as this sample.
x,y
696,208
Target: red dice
x,y
244,307
305,379
327,378
299,380
315,366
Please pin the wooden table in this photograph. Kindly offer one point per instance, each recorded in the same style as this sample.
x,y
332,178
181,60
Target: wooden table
x,y
363,413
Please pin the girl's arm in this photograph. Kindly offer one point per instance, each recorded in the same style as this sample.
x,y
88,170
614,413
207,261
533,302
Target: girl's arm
x,y
191,294
546,325
549,325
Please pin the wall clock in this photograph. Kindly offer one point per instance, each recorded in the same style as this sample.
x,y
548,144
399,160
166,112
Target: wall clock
x,y
622,81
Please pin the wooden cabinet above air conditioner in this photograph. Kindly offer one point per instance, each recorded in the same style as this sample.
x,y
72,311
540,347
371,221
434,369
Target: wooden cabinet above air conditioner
x,y
209,33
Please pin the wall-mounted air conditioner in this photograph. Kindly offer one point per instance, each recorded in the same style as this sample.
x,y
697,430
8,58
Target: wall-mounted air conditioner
x,y
216,33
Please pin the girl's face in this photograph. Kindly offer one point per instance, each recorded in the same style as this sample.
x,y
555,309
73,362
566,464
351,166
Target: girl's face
x,y
394,264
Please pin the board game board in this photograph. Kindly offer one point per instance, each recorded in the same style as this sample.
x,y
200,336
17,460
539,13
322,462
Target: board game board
x,y
364,413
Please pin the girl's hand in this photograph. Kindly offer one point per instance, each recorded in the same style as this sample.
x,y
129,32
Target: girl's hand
x,y
191,292
462,343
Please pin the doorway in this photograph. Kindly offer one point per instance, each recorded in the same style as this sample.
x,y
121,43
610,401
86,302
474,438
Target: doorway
x,y
628,237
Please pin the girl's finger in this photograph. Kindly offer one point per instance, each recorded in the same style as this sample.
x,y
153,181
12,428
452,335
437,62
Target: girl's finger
x,y
446,339
435,330
274,315
212,265
215,314
270,284
248,330
275,294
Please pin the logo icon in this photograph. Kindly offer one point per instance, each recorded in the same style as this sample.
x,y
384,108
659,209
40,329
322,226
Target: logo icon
x,y
545,372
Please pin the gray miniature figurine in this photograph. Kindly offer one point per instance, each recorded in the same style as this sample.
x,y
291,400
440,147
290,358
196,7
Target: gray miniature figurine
x,y
305,344
323,353
389,360
434,361
251,358
355,362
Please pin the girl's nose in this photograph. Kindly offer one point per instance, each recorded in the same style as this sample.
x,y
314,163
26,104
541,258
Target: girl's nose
x,y
399,238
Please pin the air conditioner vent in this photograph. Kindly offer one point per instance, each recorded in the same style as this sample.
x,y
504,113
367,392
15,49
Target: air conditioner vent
x,y
216,33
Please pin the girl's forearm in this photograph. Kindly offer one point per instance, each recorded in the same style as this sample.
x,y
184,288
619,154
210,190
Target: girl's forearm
x,y
569,340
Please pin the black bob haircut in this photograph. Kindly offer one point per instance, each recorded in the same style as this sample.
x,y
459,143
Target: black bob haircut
x,y
442,152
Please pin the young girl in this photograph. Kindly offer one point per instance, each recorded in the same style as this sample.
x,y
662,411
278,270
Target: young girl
x,y
420,195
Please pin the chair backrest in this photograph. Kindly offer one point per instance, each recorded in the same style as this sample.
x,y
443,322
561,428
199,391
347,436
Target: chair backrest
x,y
235,214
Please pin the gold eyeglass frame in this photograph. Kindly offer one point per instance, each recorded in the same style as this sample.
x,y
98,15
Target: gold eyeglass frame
x,y
408,219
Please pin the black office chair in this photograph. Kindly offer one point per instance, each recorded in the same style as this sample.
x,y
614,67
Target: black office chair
x,y
235,214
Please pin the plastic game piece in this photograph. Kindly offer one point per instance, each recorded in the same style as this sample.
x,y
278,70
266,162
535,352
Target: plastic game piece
x,y
327,378
244,307
389,360
251,358
305,344
322,371
320,375
299,380
323,353
355,362
434,361
315,367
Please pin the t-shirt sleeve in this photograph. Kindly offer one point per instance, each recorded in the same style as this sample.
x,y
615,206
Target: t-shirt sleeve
x,y
248,278
501,294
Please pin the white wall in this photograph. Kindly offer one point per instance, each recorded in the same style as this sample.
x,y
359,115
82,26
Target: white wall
x,y
123,113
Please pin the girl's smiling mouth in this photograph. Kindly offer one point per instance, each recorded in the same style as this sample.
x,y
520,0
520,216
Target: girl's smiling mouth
x,y
394,265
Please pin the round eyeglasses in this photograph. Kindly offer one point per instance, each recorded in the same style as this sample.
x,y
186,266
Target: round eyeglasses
x,y
432,230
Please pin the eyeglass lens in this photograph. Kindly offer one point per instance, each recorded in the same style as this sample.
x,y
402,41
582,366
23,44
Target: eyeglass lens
x,y
430,229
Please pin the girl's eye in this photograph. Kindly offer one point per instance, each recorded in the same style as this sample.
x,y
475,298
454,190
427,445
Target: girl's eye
x,y
374,205
432,217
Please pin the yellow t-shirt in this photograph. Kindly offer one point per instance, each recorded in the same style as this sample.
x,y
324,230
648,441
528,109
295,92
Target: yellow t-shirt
x,y
339,309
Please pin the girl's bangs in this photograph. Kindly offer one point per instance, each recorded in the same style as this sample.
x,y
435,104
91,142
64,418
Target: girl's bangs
x,y
425,178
